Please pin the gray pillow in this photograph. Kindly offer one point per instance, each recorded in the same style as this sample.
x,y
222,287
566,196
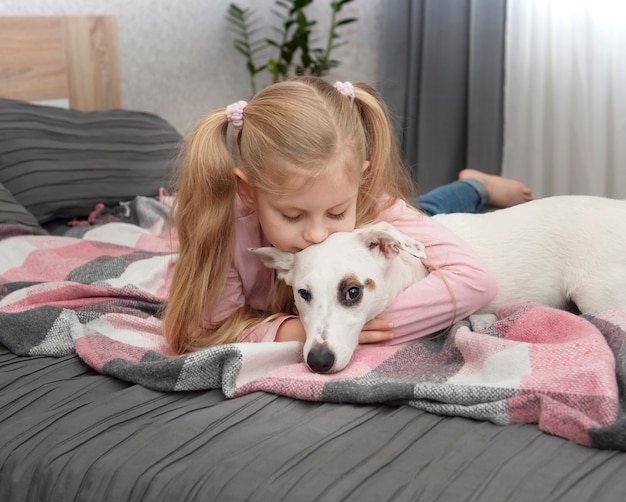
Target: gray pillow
x,y
60,163
13,212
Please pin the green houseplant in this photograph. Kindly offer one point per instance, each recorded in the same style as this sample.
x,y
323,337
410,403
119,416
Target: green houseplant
x,y
293,50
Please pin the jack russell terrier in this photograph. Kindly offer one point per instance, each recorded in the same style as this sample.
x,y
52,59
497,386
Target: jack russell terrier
x,y
553,251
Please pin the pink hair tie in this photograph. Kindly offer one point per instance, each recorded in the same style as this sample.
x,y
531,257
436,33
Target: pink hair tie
x,y
234,113
345,88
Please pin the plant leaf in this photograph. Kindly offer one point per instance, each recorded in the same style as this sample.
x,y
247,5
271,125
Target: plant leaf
x,y
346,21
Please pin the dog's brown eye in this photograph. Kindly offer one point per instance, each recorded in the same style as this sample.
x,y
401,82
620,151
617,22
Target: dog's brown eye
x,y
304,294
353,293
349,291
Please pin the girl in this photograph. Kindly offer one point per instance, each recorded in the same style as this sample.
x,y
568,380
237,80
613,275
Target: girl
x,y
302,160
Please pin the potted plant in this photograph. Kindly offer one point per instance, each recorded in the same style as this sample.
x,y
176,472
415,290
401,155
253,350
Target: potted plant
x,y
293,50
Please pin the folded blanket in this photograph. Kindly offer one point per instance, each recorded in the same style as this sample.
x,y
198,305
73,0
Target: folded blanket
x,y
99,293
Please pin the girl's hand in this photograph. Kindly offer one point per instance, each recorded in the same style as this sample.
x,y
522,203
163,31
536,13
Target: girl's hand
x,y
376,331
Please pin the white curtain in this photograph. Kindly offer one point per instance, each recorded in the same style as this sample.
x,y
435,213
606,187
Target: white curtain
x,y
565,96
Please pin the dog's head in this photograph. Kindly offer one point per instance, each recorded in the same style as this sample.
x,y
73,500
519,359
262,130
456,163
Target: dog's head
x,y
343,282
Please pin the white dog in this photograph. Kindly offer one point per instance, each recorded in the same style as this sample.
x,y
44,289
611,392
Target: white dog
x,y
553,251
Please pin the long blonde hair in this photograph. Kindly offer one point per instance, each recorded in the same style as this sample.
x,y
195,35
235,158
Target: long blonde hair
x,y
303,121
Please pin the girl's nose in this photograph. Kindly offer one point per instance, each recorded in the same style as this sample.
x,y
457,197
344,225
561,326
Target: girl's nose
x,y
315,234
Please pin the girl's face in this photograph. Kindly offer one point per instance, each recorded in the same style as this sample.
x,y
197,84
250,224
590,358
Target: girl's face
x,y
309,213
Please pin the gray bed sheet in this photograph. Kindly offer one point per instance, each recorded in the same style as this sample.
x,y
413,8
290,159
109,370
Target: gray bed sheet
x,y
69,433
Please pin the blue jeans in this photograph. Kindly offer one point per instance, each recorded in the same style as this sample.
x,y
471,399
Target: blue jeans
x,y
461,196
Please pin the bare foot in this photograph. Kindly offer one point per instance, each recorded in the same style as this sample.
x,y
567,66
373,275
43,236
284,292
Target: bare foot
x,y
503,192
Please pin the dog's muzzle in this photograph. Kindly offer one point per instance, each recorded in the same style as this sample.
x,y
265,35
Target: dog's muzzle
x,y
320,359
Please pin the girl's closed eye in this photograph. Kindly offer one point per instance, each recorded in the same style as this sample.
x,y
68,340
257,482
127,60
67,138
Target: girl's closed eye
x,y
291,219
334,216
339,216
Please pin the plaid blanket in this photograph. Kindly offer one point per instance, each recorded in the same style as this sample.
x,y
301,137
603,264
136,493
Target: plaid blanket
x,y
98,292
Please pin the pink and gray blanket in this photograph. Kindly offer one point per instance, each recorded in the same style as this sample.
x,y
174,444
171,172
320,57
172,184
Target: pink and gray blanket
x,y
98,291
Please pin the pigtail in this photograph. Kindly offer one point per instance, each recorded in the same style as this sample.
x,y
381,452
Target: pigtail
x,y
387,174
204,215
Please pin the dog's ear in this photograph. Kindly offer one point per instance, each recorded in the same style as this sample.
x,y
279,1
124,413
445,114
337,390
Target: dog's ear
x,y
281,261
389,241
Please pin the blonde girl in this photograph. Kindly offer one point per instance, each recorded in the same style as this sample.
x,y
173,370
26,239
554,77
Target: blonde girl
x,y
302,160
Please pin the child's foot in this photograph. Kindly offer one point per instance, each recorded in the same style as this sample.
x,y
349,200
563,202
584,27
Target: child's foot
x,y
503,192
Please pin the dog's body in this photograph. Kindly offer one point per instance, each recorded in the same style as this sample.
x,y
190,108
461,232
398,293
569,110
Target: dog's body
x,y
553,251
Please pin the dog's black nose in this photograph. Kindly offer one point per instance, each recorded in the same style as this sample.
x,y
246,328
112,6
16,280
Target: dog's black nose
x,y
320,359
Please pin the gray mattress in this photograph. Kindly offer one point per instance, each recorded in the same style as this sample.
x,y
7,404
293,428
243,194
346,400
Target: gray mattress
x,y
69,433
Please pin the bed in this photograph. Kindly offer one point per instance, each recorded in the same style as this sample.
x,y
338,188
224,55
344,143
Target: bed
x,y
94,406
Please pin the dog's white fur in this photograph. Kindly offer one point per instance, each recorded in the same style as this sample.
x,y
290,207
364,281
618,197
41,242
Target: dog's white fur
x,y
553,251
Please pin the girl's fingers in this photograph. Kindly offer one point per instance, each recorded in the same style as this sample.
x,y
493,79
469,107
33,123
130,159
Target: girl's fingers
x,y
376,330
378,325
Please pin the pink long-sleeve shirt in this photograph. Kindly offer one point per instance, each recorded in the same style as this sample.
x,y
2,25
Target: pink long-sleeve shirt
x,y
422,309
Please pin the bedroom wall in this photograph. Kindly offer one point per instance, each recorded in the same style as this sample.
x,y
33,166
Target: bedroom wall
x,y
177,58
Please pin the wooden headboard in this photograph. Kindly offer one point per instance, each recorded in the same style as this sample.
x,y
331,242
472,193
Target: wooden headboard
x,y
61,57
